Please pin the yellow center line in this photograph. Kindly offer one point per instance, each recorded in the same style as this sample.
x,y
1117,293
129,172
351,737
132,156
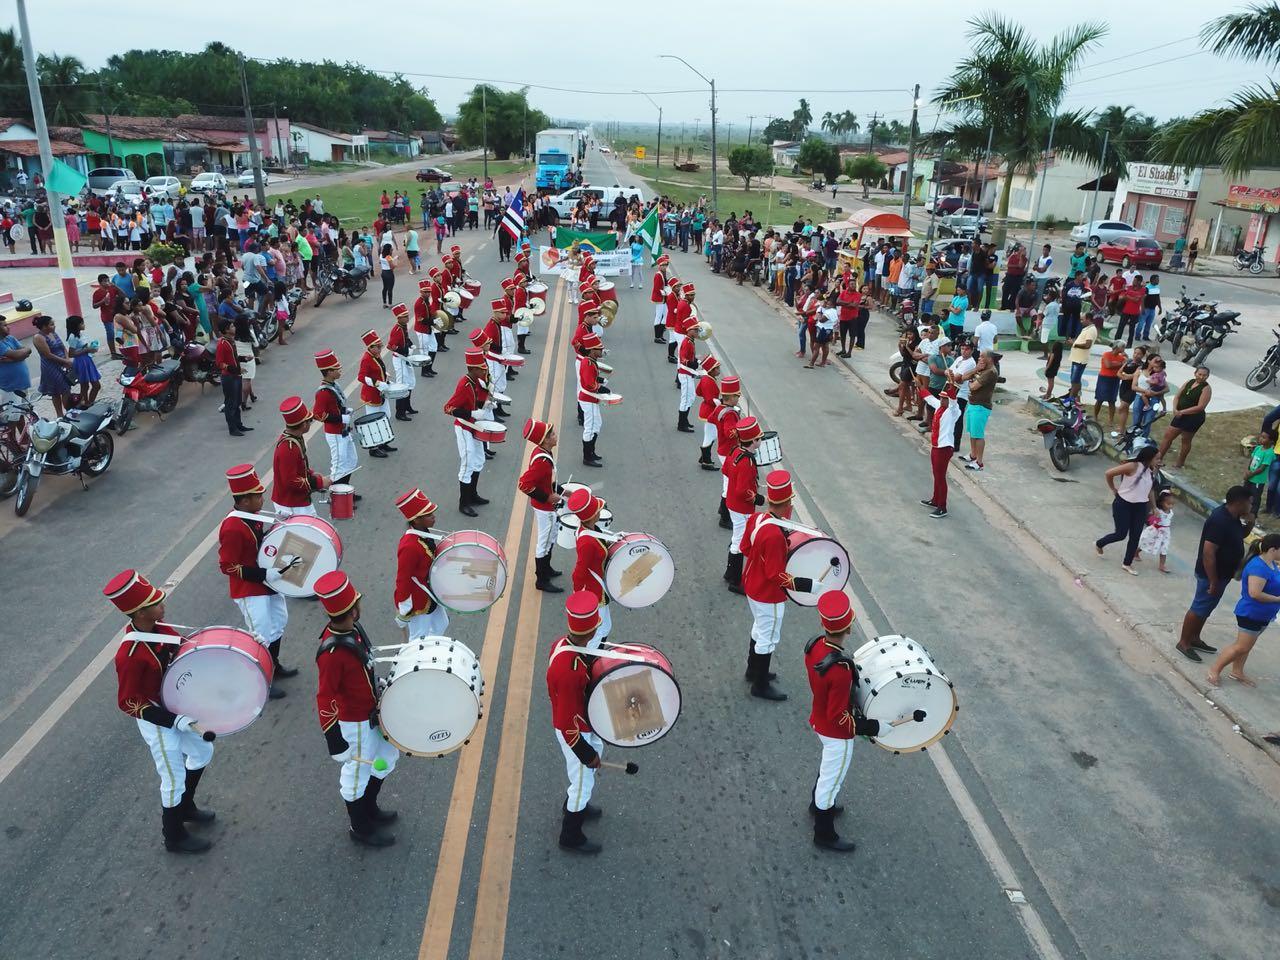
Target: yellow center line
x,y
489,926
438,929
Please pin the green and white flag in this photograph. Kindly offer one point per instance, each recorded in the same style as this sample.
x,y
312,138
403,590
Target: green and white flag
x,y
650,231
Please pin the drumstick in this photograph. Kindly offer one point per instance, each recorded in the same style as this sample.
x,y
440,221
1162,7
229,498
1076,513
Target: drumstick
x,y
208,736
378,764
835,562
917,717
628,767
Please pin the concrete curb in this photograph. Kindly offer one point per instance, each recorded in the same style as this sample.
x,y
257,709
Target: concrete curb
x,y
1158,645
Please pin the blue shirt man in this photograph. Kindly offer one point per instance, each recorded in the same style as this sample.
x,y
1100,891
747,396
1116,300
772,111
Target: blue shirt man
x,y
14,375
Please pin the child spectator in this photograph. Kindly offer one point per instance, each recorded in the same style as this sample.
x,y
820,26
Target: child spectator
x,y
80,351
1155,535
1255,477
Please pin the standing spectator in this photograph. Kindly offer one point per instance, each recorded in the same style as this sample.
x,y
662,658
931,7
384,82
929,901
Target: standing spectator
x,y
1217,558
81,352
1255,610
1155,535
636,279
108,300
959,374
55,365
1073,293
956,313
985,333
1107,387
940,362
1150,307
1080,349
905,388
15,379
982,390
1025,302
387,266
930,337
1131,484
1188,414
1131,300
229,373
1193,251
806,318
1015,272
1260,460
1149,388
1137,361
945,414
1040,272
928,292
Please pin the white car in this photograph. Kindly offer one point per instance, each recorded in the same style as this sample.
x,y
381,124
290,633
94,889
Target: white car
x,y
605,150
208,182
1097,232
245,179
164,187
131,190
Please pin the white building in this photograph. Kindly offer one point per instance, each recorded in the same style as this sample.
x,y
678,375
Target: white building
x,y
1056,188
328,146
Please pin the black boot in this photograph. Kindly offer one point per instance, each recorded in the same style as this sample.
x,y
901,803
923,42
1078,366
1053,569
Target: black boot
x,y
733,573
753,663
362,829
682,422
428,369
280,669
478,500
464,500
571,835
190,812
388,448
834,811
659,333
589,457
543,583
726,522
378,453
441,346
499,413
520,343
401,412
408,404
761,685
704,458
824,833
488,454
176,838
671,352
376,813
512,373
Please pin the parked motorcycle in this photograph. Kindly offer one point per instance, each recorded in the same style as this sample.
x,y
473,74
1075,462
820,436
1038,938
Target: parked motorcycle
x,y
79,444
1251,260
17,417
1260,377
1210,333
199,364
1072,432
350,283
151,390
1179,320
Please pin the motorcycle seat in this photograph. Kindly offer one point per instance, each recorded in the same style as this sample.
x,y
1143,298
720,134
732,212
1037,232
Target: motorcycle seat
x,y
161,371
90,420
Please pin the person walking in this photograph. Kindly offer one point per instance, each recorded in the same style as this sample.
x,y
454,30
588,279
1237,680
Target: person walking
x,y
1255,610
1217,557
1132,487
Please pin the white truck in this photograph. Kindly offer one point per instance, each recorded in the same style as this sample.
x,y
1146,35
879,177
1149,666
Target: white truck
x,y
557,152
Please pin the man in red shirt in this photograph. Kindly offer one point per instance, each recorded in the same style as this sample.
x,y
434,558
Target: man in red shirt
x,y
1131,298
724,417
416,609
538,483
330,408
295,481
347,704
588,572
228,362
708,393
742,494
108,301
466,406
568,674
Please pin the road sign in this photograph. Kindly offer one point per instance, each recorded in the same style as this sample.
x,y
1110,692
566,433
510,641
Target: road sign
x,y
639,153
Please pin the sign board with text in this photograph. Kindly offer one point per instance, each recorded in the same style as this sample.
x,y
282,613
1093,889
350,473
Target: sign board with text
x,y
1162,180
1257,199
639,153
609,263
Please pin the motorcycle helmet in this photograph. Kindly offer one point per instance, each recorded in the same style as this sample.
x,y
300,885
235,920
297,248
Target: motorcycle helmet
x,y
24,305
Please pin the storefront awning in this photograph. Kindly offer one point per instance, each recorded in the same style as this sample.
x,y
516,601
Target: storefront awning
x,y
1106,182
874,221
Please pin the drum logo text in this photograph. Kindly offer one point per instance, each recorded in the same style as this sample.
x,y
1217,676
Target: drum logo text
x,y
438,735
648,734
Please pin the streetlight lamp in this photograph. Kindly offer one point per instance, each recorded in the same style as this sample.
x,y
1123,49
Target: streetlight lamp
x,y
657,163
714,193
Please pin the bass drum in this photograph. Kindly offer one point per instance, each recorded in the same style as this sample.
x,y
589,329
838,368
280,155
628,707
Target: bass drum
x,y
220,678
897,677
632,703
313,540
431,703
638,570
820,559
469,572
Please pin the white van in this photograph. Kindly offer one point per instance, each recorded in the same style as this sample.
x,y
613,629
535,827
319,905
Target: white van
x,y
564,204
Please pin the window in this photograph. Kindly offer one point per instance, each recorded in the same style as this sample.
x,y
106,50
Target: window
x,y
1115,225
1149,214
559,159
1174,218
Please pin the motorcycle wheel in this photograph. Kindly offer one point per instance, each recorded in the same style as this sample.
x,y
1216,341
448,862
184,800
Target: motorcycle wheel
x,y
1256,267
270,328
321,293
1259,378
1091,435
356,290
170,399
27,485
895,371
1060,456
1188,353
1200,357
124,419
99,454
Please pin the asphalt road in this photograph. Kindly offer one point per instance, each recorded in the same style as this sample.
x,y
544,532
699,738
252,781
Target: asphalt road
x,y
1077,773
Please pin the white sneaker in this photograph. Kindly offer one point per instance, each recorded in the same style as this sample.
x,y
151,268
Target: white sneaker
x,y
973,465
966,458
221,407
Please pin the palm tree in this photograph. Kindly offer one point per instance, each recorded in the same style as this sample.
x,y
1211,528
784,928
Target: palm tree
x,y
62,88
1245,134
14,101
1012,87
801,119
849,122
831,123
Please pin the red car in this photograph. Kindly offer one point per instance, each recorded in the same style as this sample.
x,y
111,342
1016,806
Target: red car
x,y
1131,252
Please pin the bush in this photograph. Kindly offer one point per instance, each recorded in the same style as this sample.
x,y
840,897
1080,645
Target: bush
x,y
163,254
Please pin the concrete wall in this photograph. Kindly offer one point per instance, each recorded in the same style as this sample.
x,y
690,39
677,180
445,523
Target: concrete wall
x,y
1062,197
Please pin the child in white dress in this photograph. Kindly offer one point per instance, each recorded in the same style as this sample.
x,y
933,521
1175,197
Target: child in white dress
x,y
1155,536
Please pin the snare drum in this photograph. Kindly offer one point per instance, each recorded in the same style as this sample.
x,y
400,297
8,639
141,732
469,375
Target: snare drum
x,y
489,431
629,703
896,677
373,430
497,397
472,287
537,289
465,297
508,359
608,291
604,367
567,534
821,559
220,678
397,391
431,703
609,399
770,449
638,570
418,359
469,572
314,540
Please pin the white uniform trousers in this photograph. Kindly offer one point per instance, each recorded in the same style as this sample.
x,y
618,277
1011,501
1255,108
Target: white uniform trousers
x,y
404,371
836,755
572,284
582,779
426,343
546,538
433,624
592,421
688,383
508,340
366,744
265,616
766,624
709,434
342,454
470,453
498,374
307,511
602,631
660,314
383,407
739,521
174,753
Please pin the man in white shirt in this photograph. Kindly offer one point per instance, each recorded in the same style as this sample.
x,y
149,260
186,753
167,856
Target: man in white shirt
x,y
318,205
957,374
985,333
1041,269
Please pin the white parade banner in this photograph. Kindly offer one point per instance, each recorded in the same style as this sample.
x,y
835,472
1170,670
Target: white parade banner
x,y
609,263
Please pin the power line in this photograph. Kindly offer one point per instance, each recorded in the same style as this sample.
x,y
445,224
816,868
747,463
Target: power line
x,y
1159,46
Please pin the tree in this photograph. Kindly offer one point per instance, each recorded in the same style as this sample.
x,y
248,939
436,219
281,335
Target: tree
x,y
750,161
62,88
849,122
1130,136
818,156
831,123
865,168
1245,134
800,120
508,114
1013,87
776,129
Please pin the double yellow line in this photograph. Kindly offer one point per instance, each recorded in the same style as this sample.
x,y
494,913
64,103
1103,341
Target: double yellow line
x,y
489,926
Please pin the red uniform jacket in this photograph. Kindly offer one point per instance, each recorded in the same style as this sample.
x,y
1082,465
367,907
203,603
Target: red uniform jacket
x,y
589,379
519,297
585,271
139,669
588,572
455,270
372,370
765,548
673,305
688,354
346,689
538,482
238,543
328,408
421,316
494,332
744,486
659,281
398,339
832,714
295,481
468,396
726,421
709,391
567,679
226,359
680,316
413,563
583,329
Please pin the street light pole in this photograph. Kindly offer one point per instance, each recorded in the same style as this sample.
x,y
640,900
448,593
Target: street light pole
x,y
714,192
911,158
1035,214
484,127
1102,160
255,158
275,113
657,163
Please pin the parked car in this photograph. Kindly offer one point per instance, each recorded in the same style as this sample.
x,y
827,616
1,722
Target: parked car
x,y
103,179
133,191
433,175
605,150
1096,232
245,179
1131,252
170,187
565,202
208,182
941,206
965,222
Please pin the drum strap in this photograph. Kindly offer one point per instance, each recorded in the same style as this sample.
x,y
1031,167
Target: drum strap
x,y
833,658
357,642
341,397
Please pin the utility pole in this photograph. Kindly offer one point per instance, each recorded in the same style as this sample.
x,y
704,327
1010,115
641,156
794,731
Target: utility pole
x,y
1102,159
484,126
911,158
66,267
871,131
657,163
1035,214
715,194
255,158
106,115
275,113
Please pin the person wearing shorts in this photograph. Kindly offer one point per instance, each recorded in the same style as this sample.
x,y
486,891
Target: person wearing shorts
x,y
1189,414
1218,556
982,389
1255,611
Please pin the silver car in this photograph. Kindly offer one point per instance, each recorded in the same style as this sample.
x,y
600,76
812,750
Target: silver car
x,y
1097,232
170,187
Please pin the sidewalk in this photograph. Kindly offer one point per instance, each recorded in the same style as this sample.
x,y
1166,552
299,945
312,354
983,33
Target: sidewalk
x,y
1065,513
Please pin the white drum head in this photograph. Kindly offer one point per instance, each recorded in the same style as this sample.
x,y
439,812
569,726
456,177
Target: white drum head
x,y
650,690
319,556
896,677
823,561
432,703
639,571
221,686
468,577
397,391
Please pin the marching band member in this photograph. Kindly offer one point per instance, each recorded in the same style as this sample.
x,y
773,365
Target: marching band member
x,y
588,571
587,313
708,393
725,419
742,494
373,384
587,270
520,301
330,408
398,344
572,263
295,481
506,338
347,703
538,483
765,581
672,317
435,303
423,326
687,374
416,609
590,384
181,751
568,675
522,264
469,397
251,586
493,334
658,297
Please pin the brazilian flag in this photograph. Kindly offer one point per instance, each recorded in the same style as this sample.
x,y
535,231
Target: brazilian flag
x,y
587,240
